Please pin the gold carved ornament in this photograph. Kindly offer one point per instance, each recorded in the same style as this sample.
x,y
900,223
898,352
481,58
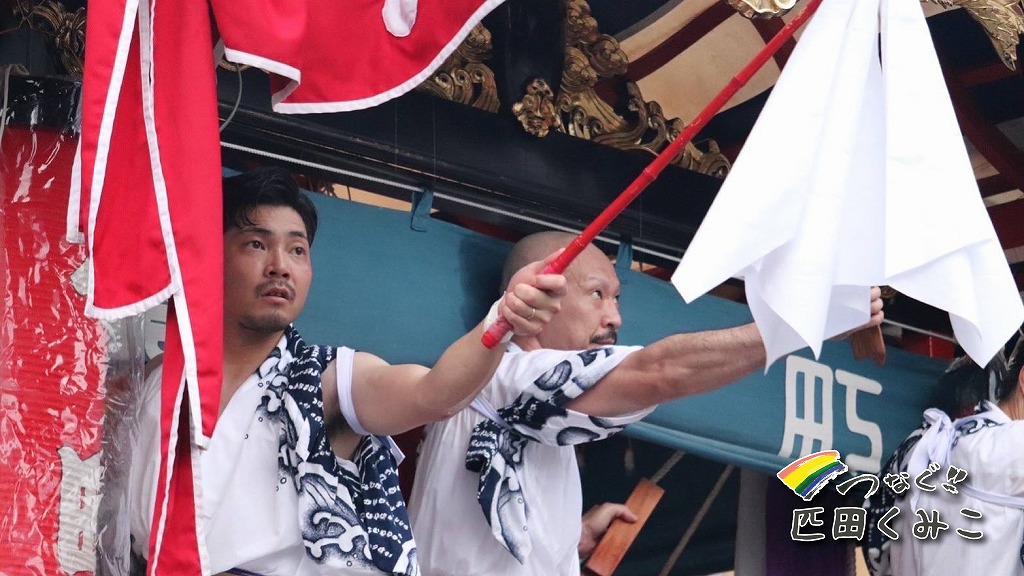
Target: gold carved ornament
x,y
1003,21
761,8
66,30
464,78
578,110
537,111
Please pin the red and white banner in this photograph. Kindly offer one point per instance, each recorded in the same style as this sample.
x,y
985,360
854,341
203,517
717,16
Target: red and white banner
x,y
146,198
148,206
372,51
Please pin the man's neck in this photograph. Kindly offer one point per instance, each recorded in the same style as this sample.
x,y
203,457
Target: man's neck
x,y
244,351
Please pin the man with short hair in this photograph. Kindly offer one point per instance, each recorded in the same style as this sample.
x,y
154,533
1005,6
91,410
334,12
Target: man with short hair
x,y
300,476
497,488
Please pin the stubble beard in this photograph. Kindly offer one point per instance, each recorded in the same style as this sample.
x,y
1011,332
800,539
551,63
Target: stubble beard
x,y
269,323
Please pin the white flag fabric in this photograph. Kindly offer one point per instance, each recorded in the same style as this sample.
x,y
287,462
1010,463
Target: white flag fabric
x,y
856,175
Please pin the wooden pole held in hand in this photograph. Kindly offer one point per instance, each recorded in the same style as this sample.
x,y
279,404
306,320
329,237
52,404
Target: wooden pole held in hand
x,y
620,535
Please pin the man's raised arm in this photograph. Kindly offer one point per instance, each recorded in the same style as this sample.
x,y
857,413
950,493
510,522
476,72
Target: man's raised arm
x,y
391,399
683,365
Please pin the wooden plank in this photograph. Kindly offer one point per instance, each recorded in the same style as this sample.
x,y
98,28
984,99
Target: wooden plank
x,y
620,535
1007,219
868,343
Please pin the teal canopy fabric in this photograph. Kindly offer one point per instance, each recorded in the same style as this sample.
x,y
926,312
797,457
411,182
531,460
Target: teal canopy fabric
x,y
404,286
403,294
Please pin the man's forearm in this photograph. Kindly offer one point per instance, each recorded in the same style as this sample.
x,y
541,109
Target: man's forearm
x,y
702,361
459,375
673,367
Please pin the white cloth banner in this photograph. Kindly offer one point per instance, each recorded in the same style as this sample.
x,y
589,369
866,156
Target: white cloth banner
x,y
856,175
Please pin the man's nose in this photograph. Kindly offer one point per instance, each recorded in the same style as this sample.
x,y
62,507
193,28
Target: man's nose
x,y
277,264
612,318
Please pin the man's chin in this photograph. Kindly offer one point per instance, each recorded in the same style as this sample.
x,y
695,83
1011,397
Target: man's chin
x,y
267,324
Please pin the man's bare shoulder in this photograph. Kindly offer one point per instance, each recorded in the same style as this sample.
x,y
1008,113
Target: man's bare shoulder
x,y
364,360
372,369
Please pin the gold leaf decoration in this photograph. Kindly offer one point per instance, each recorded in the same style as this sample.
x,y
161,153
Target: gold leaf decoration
x,y
536,111
1003,21
464,77
589,58
65,29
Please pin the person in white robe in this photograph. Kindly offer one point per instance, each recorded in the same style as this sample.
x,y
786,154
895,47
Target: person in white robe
x,y
961,499
497,489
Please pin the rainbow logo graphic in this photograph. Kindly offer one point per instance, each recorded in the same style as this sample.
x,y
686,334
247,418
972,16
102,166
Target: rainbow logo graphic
x,y
811,473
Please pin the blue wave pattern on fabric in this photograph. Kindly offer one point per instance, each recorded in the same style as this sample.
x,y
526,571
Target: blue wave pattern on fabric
x,y
538,415
347,518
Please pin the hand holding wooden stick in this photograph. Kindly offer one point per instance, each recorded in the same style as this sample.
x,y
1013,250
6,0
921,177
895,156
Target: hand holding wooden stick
x,y
620,535
867,341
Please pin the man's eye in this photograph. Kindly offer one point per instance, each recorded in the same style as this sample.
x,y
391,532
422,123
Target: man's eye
x,y
255,244
299,250
597,294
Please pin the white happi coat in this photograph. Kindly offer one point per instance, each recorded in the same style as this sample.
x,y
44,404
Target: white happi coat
x,y
992,453
249,507
452,533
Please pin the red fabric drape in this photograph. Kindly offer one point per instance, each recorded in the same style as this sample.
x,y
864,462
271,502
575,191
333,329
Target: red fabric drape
x,y
149,194
151,208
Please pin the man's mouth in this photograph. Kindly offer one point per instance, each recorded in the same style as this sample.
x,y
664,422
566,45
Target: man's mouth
x,y
282,292
608,339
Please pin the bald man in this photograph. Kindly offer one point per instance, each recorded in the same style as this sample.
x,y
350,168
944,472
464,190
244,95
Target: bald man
x,y
497,488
